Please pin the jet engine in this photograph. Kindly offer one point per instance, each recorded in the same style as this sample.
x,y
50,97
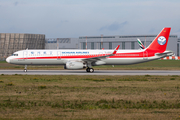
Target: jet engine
x,y
74,65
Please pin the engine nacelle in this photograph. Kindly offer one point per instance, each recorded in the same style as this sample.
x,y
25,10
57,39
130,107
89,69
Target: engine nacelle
x,y
74,65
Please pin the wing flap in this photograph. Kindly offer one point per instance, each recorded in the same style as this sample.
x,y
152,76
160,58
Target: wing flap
x,y
102,57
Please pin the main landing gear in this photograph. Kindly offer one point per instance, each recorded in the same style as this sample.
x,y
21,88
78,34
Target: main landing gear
x,y
90,70
25,68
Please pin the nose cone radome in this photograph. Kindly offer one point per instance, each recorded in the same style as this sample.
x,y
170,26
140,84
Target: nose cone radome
x,y
8,60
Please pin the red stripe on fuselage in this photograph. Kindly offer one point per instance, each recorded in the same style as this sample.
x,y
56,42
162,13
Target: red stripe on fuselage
x,y
118,55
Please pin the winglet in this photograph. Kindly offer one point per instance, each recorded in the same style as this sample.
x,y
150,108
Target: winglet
x,y
116,49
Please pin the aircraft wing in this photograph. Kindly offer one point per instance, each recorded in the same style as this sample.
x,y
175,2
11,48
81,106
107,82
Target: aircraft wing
x,y
101,57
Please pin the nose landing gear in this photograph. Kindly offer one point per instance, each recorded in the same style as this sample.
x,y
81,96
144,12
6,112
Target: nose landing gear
x,y
25,68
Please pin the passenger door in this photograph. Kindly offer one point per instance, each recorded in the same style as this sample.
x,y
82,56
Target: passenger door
x,y
58,55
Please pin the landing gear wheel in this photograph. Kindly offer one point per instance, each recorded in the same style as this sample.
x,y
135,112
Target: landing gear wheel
x,y
91,70
87,70
25,70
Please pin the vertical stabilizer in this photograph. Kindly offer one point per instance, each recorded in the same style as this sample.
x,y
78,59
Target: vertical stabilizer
x,y
159,44
140,44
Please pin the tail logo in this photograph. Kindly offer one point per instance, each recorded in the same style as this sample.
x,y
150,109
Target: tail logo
x,y
162,40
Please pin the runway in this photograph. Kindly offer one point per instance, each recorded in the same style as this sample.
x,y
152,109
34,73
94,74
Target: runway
x,y
97,72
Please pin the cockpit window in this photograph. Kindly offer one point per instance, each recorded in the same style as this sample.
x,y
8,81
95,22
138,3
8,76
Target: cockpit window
x,y
14,54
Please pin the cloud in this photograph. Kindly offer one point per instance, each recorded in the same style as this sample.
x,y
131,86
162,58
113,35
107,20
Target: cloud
x,y
114,26
67,18
16,3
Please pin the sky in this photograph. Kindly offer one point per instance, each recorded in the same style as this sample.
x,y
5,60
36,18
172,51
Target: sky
x,y
74,18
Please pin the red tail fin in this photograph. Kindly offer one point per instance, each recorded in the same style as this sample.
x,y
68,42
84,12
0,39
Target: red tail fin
x,y
160,42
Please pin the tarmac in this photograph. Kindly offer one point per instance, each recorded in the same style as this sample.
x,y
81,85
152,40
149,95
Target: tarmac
x,y
96,72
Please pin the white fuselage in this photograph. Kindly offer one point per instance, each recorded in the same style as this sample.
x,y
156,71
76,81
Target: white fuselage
x,y
61,57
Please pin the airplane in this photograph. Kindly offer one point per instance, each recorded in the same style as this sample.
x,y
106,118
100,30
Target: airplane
x,y
140,44
79,59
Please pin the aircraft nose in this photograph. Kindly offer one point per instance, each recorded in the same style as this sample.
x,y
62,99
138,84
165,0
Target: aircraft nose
x,y
8,60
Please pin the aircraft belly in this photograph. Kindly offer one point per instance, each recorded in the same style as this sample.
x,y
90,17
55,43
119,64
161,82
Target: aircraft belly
x,y
38,62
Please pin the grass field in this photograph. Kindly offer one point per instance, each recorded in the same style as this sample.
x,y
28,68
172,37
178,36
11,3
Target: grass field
x,y
153,65
89,97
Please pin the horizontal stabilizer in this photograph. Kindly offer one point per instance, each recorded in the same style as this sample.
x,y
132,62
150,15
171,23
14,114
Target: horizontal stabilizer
x,y
166,53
